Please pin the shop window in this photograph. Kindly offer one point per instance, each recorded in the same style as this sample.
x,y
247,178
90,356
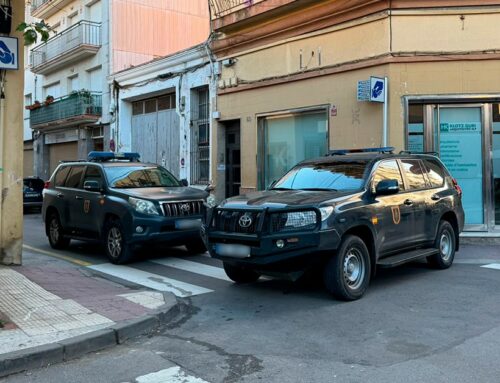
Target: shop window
x,y
200,137
416,128
288,139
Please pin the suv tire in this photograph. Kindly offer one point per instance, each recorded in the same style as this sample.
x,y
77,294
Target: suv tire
x,y
196,247
239,274
115,246
446,239
347,274
55,232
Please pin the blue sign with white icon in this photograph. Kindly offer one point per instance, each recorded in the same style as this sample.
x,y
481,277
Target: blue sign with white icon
x,y
9,53
377,89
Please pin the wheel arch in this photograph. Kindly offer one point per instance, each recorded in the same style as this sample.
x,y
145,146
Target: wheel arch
x,y
50,210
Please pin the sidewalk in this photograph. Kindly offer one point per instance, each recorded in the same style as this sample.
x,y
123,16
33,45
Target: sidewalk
x,y
52,310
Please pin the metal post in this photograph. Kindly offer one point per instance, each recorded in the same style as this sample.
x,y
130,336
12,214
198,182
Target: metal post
x,y
385,127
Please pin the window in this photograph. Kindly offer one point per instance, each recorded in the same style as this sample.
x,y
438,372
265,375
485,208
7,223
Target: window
x,y
137,108
73,83
387,170
416,128
93,174
61,176
435,172
150,106
200,137
139,177
414,174
74,177
96,80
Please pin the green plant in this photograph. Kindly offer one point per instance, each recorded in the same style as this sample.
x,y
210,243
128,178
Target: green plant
x,y
31,31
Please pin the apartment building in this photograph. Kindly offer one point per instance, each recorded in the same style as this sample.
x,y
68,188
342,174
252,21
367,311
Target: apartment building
x,y
68,99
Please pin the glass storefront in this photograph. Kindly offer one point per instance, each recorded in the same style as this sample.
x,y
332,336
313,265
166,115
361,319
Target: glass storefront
x,y
288,139
461,134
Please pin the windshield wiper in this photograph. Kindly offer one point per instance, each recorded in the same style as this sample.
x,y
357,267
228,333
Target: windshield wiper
x,y
319,189
281,189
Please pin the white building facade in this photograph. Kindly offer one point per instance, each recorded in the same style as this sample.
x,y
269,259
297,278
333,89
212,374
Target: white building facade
x,y
163,110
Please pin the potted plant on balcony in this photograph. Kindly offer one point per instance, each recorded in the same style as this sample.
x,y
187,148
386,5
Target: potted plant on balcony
x,y
49,100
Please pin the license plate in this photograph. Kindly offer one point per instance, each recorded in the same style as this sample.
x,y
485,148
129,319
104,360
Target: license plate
x,y
32,195
231,250
183,224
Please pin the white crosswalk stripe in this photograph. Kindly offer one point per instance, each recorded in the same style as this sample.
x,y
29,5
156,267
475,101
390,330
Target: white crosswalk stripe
x,y
169,375
150,280
495,266
193,267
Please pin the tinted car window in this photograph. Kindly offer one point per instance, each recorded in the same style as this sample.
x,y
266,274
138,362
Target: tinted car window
x,y
333,175
414,174
139,177
435,172
73,180
61,175
388,170
33,184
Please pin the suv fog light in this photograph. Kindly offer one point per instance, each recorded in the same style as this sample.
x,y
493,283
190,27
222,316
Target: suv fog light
x,y
139,229
280,243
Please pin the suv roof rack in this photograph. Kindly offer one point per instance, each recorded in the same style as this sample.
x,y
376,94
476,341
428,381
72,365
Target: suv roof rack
x,y
410,152
385,149
110,156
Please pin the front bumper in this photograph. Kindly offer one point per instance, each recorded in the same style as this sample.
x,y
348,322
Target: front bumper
x,y
305,250
156,229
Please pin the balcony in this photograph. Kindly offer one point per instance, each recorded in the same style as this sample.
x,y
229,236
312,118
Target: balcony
x,y
42,9
71,45
74,109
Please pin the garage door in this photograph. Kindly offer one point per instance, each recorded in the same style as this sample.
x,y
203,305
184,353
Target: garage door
x,y
28,163
62,152
155,131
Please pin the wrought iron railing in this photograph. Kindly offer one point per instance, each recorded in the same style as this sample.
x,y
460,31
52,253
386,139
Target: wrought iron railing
x,y
73,105
82,33
221,8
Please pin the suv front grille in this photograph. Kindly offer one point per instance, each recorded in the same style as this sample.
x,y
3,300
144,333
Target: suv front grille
x,y
231,221
182,209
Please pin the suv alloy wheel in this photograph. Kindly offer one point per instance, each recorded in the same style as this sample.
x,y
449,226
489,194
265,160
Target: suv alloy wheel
x,y
117,250
55,232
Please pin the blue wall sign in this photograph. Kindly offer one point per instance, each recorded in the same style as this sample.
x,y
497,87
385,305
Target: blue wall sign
x,y
9,53
377,89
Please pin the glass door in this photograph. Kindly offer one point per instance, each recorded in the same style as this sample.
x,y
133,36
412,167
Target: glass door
x,y
496,163
459,140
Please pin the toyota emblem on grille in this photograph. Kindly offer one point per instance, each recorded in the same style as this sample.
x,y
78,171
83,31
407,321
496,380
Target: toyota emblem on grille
x,y
245,220
185,207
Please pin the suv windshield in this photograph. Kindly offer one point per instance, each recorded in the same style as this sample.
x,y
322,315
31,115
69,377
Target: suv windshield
x,y
326,176
125,177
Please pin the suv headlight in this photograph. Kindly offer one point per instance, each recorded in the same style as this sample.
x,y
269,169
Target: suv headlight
x,y
300,219
326,211
143,206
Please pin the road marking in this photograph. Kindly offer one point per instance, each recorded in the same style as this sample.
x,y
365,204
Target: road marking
x,y
153,281
193,267
56,255
169,375
495,266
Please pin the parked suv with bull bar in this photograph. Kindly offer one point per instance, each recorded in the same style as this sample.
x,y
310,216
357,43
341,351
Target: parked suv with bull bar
x,y
122,202
347,213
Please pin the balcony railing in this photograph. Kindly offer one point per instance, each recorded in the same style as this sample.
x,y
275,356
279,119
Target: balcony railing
x,y
79,106
221,8
42,9
82,38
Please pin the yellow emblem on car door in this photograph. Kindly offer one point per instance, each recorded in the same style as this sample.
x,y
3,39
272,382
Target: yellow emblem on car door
x,y
396,215
86,206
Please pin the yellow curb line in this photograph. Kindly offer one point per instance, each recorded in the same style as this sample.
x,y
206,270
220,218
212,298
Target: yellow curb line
x,y
60,256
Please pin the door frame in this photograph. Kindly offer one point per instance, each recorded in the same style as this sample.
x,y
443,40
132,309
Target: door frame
x,y
484,102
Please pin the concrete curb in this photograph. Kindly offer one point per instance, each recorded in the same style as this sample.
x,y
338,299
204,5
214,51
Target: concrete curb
x,y
71,348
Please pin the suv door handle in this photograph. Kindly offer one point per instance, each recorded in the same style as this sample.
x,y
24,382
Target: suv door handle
x,y
435,197
78,197
60,195
408,202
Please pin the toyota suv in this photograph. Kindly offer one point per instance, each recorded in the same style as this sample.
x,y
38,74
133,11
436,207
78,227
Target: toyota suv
x,y
122,202
347,213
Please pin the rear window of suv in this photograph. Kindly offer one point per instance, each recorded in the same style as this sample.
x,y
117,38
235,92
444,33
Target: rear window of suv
x,y
414,174
61,176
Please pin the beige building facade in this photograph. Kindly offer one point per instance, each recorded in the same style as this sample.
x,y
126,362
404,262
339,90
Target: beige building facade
x,y
288,89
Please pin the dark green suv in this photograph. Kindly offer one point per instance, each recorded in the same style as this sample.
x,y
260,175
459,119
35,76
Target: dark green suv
x,y
346,213
122,202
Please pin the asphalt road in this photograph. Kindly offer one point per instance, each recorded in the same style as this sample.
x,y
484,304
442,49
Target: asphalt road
x,y
415,324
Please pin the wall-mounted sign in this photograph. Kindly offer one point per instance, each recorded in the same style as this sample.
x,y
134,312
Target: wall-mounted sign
x,y
9,53
364,90
333,110
377,89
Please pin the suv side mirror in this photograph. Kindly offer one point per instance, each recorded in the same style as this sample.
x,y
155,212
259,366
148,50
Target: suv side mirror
x,y
387,187
92,186
184,182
